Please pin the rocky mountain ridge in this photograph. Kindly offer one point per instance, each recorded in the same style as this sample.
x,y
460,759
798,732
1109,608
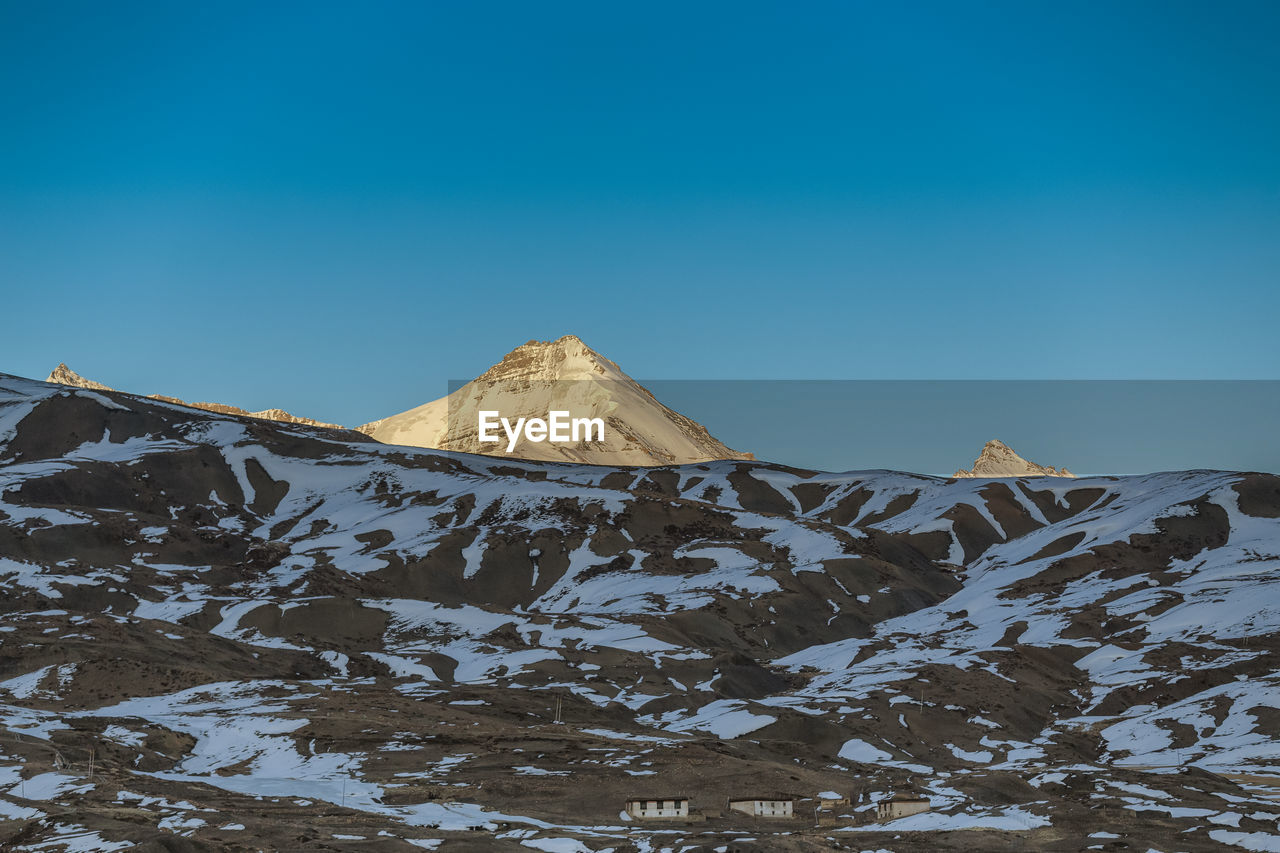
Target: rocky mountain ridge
x,y
64,375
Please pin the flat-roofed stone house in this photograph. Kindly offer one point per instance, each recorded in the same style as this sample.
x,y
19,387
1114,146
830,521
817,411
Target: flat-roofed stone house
x,y
900,805
770,806
648,808
832,800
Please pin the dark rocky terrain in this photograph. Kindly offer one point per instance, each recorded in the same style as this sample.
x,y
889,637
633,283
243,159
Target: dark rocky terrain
x,y
224,633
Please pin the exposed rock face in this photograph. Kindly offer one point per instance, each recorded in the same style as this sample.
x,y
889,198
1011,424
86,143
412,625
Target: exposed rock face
x,y
266,414
562,375
271,638
64,375
999,460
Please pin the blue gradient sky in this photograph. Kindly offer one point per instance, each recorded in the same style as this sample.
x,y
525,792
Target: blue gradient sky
x,y
936,427
336,209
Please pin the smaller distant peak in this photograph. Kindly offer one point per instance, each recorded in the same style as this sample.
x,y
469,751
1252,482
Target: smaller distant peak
x,y
63,375
1000,460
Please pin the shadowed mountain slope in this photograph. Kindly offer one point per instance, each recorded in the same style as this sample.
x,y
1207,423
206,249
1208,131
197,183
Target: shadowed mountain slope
x,y
250,624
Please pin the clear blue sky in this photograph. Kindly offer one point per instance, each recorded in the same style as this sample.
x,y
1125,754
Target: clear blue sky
x,y
1091,427
336,208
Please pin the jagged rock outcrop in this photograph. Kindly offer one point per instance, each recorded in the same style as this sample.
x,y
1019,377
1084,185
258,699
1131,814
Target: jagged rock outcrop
x,y
266,414
64,375
1000,460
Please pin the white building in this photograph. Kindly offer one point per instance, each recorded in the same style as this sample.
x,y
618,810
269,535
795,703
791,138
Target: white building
x,y
764,806
661,807
900,805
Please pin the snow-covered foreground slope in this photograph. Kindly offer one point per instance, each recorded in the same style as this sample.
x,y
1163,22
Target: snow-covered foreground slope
x,y
256,634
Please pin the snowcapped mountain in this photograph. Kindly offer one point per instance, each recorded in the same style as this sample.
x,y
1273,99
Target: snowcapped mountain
x,y
263,636
999,460
562,375
64,375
